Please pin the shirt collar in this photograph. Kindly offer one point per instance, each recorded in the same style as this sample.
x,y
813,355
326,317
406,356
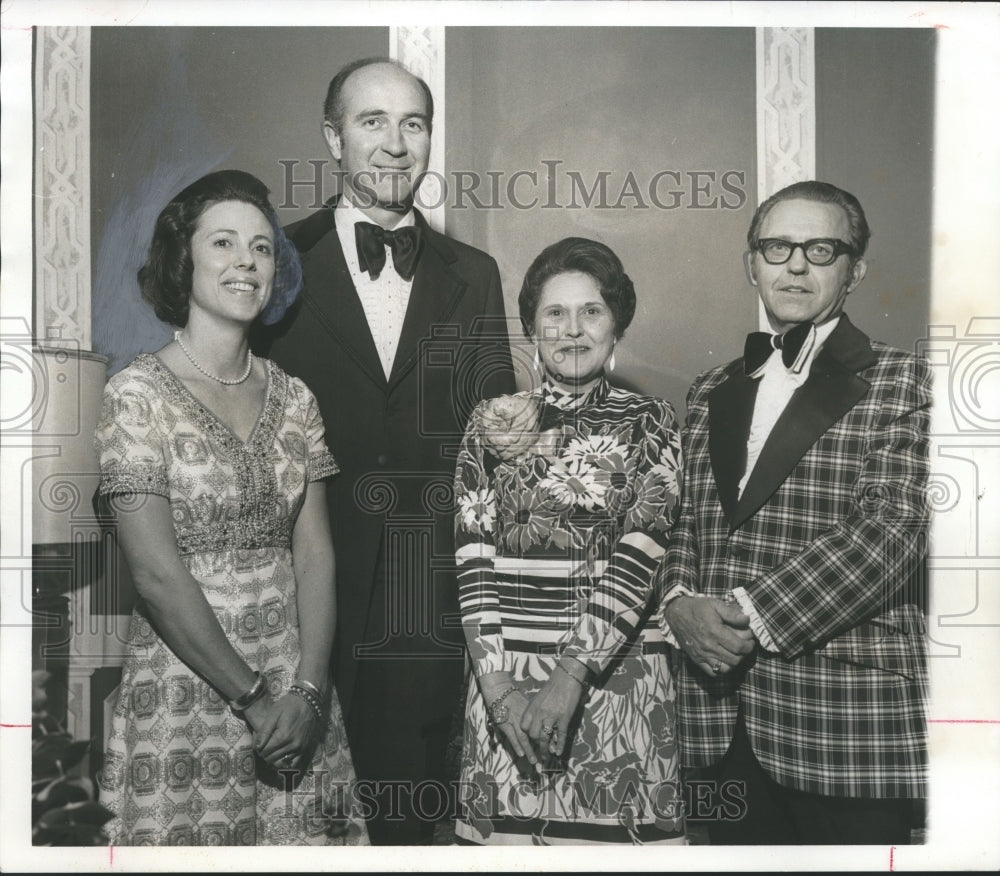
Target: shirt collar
x,y
823,332
348,215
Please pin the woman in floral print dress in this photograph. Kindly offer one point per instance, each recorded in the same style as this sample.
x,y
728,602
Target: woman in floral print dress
x,y
226,730
569,728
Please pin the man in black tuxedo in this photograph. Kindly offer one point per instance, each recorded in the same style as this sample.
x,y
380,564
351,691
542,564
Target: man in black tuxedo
x,y
399,332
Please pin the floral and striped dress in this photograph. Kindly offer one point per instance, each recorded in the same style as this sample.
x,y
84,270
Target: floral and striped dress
x,y
556,552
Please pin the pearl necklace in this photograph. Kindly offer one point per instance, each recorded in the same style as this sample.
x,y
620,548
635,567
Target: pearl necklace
x,y
238,380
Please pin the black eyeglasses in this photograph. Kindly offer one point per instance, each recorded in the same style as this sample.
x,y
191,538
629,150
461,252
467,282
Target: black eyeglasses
x,y
819,251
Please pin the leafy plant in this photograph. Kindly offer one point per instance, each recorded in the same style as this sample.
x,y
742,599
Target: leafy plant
x,y
64,811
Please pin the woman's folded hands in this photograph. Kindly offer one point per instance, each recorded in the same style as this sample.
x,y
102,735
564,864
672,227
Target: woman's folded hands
x,y
505,706
285,731
547,719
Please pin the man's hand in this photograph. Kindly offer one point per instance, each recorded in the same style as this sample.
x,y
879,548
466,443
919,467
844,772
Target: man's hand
x,y
714,634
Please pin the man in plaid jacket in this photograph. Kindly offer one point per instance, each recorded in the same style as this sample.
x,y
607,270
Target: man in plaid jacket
x,y
794,575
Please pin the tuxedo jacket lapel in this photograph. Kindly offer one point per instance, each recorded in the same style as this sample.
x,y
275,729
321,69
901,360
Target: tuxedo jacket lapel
x,y
332,299
434,295
831,390
730,410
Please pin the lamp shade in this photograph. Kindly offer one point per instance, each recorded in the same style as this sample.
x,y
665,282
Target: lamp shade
x,y
68,387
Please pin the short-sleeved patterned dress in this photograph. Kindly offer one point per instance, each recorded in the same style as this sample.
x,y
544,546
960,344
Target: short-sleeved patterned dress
x,y
180,768
555,556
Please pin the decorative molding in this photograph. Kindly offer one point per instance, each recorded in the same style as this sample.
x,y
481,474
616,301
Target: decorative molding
x,y
421,51
62,186
786,112
786,107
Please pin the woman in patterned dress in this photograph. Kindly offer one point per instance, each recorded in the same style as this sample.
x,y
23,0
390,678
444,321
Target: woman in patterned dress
x,y
226,729
569,728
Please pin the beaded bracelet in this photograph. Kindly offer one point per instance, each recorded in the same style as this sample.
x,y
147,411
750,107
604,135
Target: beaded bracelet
x,y
311,699
307,695
246,700
312,703
308,685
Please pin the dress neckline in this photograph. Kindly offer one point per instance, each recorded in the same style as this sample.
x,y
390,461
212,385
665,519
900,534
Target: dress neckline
x,y
204,413
569,401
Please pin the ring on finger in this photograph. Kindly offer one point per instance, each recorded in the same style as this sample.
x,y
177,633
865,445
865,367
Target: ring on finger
x,y
717,666
548,729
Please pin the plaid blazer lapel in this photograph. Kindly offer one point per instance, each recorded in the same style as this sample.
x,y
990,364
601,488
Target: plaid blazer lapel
x,y
832,389
730,411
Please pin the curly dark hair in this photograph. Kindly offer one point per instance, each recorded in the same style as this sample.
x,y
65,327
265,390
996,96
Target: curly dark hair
x,y
165,278
588,257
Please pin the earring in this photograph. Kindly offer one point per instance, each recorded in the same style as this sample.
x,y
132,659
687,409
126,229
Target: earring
x,y
611,361
536,363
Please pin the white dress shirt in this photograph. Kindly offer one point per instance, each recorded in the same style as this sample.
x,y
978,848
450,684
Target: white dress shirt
x,y
777,385
385,299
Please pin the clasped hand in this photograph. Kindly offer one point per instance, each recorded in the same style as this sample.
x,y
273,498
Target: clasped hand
x,y
285,731
547,718
537,727
714,634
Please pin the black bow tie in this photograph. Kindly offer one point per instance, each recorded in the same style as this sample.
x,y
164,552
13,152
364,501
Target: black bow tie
x,y
372,240
760,345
